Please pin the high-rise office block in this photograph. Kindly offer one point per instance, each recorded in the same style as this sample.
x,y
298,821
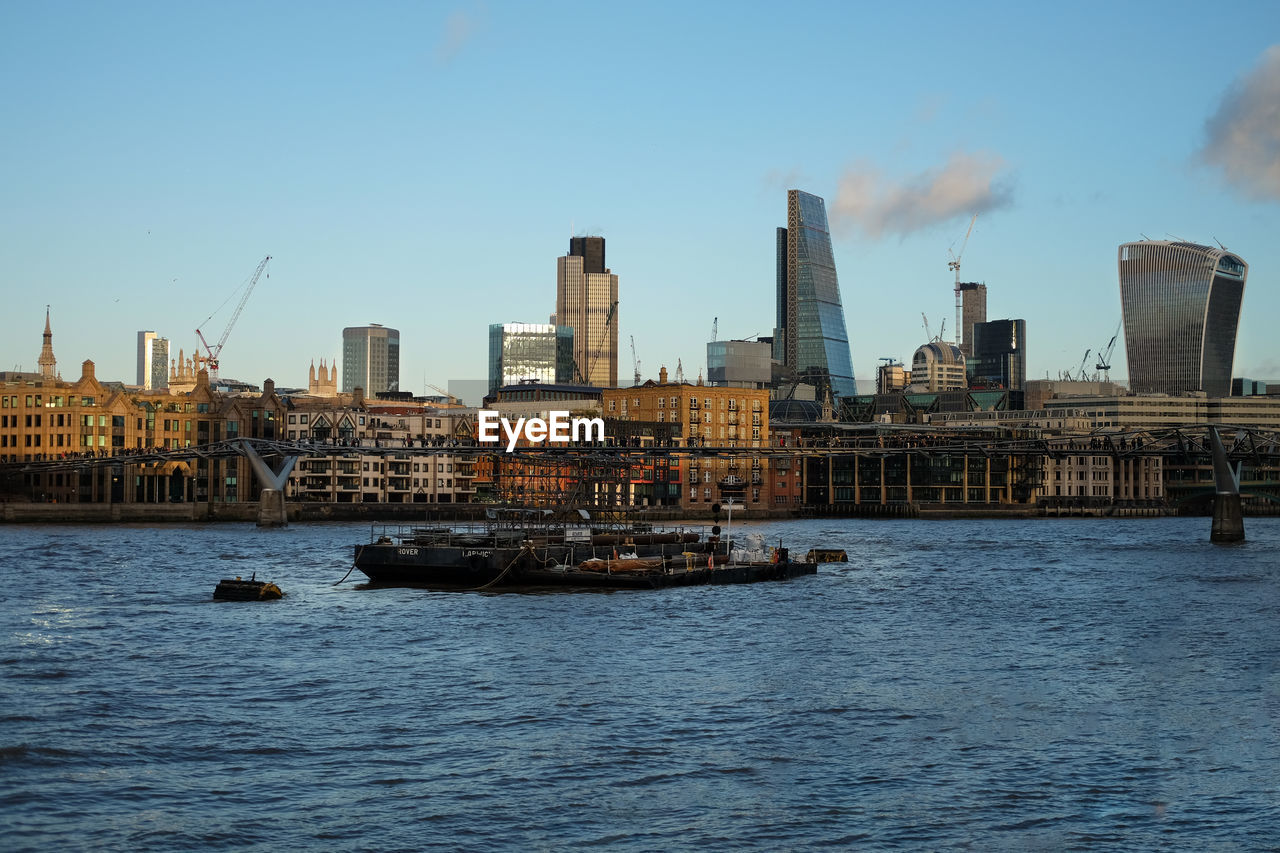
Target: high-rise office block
x,y
971,308
587,302
739,364
591,250
1181,308
153,361
938,366
522,351
1000,354
810,337
370,359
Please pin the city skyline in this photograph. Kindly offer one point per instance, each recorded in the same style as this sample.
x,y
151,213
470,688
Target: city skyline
x,y
392,162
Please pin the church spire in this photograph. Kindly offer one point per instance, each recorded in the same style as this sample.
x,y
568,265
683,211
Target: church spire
x,y
48,364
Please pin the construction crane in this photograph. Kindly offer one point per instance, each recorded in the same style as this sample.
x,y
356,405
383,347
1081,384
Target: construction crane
x,y
213,352
1104,357
954,265
679,372
453,401
928,333
1080,370
599,350
635,361
715,328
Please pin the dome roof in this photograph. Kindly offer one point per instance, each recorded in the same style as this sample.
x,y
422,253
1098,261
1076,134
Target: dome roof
x,y
939,352
794,411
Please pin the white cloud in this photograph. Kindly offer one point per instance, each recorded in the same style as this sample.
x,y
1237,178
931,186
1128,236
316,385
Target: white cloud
x,y
965,185
1244,134
458,30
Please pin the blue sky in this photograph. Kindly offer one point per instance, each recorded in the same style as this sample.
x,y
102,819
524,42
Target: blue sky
x,y
422,165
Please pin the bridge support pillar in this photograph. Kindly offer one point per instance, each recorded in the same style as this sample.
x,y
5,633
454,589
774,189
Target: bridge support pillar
x,y
1228,515
271,511
1228,519
271,508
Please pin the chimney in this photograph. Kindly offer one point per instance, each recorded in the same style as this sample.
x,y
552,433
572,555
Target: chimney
x,y
662,376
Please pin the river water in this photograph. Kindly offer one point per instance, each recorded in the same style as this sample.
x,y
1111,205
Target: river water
x,y
1055,684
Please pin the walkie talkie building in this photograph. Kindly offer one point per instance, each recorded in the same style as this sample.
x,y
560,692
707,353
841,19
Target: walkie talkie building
x,y
1181,308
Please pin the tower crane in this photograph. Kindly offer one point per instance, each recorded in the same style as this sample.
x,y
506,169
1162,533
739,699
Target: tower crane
x,y
928,333
1104,357
954,265
604,337
453,401
1080,370
715,328
635,361
216,350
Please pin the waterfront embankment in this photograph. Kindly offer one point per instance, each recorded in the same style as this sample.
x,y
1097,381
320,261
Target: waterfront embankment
x,y
18,512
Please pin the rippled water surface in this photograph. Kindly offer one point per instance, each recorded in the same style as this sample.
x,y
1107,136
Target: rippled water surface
x,y
957,685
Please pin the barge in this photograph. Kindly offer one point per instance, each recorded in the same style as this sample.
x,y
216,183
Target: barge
x,y
534,552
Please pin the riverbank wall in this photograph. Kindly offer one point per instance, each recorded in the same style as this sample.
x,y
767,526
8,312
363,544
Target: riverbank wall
x,y
302,512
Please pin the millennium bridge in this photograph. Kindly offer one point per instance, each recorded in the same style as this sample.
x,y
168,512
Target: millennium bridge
x,y
1252,453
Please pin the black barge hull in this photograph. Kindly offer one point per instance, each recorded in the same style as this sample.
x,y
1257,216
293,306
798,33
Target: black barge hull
x,y
461,568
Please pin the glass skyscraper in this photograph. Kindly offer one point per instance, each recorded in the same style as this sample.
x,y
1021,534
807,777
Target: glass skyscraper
x,y
1000,353
370,359
810,337
537,351
1181,308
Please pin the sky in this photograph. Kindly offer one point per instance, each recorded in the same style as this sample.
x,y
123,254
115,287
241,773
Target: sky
x,y
422,165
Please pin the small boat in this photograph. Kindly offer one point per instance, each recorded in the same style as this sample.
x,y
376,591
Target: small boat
x,y
246,590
